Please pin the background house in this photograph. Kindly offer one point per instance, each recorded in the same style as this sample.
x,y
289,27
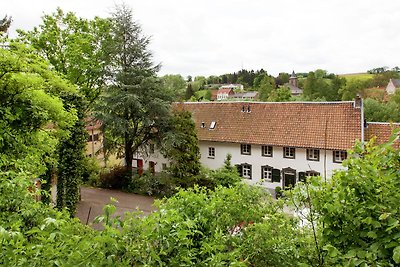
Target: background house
x,y
224,93
392,86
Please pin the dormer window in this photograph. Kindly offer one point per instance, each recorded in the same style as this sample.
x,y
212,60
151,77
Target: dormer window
x,y
212,125
203,125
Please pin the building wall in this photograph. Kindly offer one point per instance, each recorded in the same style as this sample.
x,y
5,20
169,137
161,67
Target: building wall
x,y
390,88
277,161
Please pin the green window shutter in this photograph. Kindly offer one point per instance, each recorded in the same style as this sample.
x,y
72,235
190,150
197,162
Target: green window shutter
x,y
276,175
302,176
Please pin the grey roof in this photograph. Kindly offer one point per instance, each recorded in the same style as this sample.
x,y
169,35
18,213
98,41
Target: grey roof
x,y
250,94
293,75
396,82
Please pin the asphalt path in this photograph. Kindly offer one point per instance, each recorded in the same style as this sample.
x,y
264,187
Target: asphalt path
x,y
94,199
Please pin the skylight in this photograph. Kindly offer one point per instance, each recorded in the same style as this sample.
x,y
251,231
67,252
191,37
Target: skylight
x,y
213,124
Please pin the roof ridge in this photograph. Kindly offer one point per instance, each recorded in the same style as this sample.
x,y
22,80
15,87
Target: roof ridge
x,y
274,103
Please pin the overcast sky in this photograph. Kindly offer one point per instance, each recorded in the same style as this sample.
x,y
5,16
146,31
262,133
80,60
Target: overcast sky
x,y
213,37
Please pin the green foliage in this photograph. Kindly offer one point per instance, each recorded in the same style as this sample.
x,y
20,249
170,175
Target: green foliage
x,y
267,85
181,146
115,178
175,84
358,208
319,85
29,103
198,227
75,47
227,175
134,108
159,184
280,94
378,111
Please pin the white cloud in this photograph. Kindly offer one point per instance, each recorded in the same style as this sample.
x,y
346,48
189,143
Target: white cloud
x,y
215,37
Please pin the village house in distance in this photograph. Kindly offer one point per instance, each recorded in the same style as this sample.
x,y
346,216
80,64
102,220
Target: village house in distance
x,y
275,143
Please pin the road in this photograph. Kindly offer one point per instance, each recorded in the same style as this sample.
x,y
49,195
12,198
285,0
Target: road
x,y
94,199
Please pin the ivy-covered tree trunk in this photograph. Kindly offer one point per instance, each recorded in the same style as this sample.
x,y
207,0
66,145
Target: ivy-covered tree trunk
x,y
71,158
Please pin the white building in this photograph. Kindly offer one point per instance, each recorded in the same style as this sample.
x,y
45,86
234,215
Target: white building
x,y
393,85
275,143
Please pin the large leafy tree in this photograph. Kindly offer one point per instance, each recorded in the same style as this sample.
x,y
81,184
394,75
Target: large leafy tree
x,y
75,47
31,109
134,106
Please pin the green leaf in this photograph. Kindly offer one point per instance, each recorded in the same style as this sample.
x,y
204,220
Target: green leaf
x,y
396,254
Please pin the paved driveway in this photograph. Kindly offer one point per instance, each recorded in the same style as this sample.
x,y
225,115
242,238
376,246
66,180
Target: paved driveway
x,y
93,200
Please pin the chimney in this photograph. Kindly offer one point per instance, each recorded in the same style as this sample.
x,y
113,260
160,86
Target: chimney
x,y
358,101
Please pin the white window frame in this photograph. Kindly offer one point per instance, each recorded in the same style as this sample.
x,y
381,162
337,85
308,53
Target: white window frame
x,y
313,154
211,152
289,152
266,173
246,171
267,151
212,125
339,156
245,149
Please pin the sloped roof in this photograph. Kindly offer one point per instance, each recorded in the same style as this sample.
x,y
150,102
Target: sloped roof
x,y
396,82
225,91
382,131
249,94
330,125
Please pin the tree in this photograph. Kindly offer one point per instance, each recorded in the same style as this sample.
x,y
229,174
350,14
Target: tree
x,y
75,47
281,94
32,115
181,146
175,84
189,91
267,84
134,107
5,23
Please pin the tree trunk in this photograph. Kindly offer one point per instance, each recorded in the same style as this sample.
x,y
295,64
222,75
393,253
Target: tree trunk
x,y
128,153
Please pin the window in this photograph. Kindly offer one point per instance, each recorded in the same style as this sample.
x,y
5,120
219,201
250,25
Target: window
x,y
246,171
289,152
94,137
266,173
266,151
212,125
203,125
339,156
151,148
245,149
211,152
312,173
313,154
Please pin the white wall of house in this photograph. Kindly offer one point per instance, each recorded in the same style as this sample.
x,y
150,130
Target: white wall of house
x,y
300,163
157,158
390,88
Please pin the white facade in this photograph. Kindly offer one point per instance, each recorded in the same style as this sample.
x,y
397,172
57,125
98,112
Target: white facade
x,y
299,163
391,88
222,96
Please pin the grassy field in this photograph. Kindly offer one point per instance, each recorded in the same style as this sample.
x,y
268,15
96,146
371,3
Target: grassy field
x,y
357,76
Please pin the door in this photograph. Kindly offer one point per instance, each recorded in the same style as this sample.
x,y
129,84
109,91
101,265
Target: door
x,y
140,166
152,167
289,178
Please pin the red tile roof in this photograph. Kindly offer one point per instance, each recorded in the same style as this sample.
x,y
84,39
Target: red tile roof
x,y
382,131
225,91
330,125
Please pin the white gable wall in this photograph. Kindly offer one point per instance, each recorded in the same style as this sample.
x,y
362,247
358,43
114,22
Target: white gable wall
x,y
390,88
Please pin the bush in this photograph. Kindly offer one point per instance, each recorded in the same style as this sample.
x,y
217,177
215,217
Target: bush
x,y
159,184
91,174
115,178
